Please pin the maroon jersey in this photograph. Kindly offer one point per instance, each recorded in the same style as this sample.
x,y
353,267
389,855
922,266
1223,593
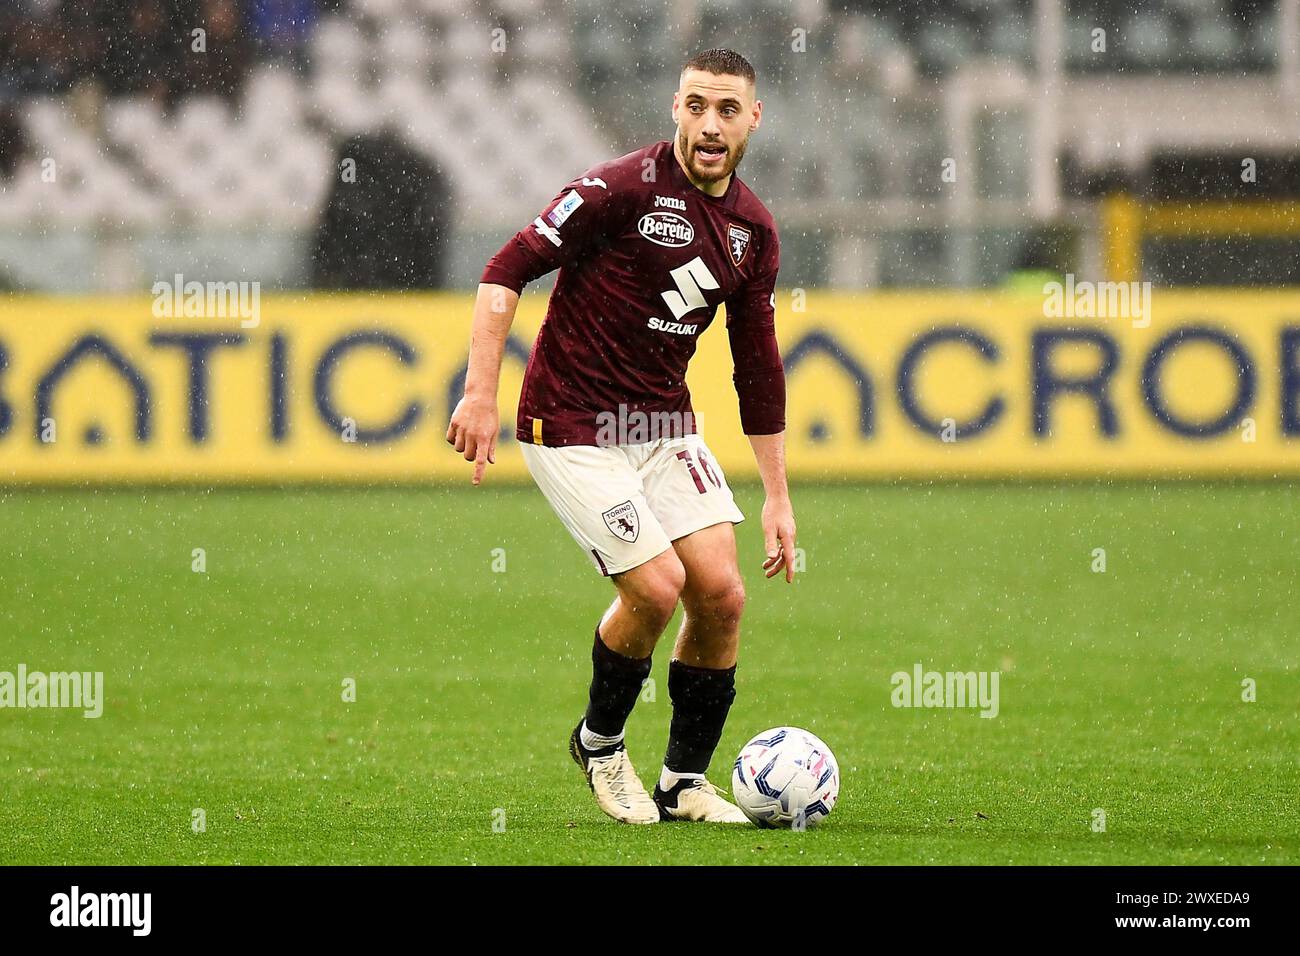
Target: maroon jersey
x,y
645,259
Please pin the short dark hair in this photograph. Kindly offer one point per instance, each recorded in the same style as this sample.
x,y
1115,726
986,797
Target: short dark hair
x,y
722,61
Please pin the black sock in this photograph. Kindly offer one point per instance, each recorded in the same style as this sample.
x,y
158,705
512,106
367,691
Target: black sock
x,y
615,683
701,698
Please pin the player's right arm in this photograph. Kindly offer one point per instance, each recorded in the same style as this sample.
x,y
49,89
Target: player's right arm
x,y
576,221
476,422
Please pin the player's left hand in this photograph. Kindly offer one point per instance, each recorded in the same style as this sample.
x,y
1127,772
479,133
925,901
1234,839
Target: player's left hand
x,y
778,537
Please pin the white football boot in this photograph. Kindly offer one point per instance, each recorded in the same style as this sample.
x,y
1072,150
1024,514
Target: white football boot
x,y
619,791
697,799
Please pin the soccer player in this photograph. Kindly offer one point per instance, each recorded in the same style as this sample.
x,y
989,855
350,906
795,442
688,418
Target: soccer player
x,y
648,246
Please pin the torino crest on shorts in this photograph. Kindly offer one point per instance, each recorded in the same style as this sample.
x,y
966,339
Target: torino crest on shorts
x,y
645,259
623,521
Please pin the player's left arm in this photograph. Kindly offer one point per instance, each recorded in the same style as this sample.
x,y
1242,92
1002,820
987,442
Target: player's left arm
x,y
778,512
759,378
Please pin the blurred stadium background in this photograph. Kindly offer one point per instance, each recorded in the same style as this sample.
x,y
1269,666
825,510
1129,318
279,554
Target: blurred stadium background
x,y
225,161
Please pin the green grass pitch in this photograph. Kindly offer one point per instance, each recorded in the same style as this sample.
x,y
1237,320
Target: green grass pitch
x,y
1120,691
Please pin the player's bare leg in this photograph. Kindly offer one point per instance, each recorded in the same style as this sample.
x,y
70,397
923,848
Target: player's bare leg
x,y
621,657
647,598
713,596
702,675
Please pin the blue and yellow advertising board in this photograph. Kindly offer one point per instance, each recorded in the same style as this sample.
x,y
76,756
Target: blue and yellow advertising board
x,y
358,388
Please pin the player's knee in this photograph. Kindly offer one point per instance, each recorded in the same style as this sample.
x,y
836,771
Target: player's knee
x,y
667,587
732,603
655,595
722,602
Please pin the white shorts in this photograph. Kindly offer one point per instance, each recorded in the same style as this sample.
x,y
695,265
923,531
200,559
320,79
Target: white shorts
x,y
625,504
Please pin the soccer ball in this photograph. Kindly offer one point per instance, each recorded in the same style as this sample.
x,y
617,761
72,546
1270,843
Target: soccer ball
x,y
786,777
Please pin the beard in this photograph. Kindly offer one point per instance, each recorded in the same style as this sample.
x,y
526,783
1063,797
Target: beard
x,y
709,174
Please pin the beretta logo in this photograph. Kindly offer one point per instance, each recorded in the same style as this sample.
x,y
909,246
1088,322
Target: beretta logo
x,y
666,229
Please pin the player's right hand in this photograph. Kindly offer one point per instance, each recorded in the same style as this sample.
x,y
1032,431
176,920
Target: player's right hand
x,y
473,431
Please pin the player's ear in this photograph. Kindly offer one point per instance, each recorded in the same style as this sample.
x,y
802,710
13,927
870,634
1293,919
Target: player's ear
x,y
676,98
758,115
